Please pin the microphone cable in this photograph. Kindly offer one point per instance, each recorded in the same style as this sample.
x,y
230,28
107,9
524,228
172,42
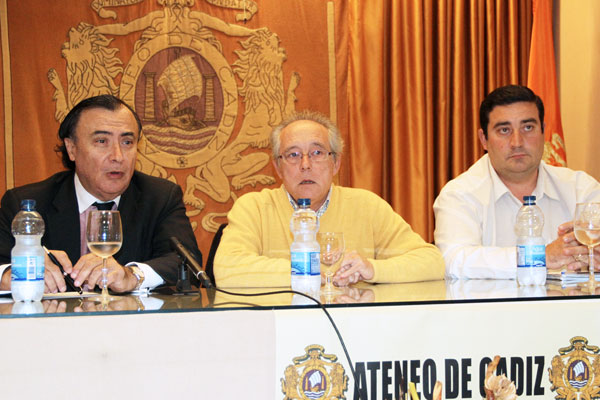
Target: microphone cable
x,y
322,306
199,272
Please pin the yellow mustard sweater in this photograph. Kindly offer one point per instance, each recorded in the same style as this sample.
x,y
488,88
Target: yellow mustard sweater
x,y
255,247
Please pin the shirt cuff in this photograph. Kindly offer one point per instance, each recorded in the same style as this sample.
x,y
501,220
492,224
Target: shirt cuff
x,y
3,268
151,278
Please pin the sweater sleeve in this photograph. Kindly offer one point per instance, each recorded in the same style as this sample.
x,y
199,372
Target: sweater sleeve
x,y
240,260
401,255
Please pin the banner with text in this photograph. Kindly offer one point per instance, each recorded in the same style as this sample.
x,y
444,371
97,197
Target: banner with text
x,y
545,349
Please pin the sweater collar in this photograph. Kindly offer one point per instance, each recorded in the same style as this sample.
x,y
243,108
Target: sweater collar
x,y
321,209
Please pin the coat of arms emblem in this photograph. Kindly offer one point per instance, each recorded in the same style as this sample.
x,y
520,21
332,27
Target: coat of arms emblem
x,y
575,372
186,92
314,375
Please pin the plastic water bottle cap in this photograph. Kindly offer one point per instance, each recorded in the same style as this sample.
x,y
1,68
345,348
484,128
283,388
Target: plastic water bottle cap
x,y
28,205
304,202
529,200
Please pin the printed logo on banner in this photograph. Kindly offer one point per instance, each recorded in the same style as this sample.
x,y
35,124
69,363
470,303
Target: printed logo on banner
x,y
186,92
575,372
314,375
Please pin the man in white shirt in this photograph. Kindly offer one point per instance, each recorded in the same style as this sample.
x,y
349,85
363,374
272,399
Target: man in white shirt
x,y
99,140
475,212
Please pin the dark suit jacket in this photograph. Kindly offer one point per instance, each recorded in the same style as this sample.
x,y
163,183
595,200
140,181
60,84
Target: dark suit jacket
x,y
152,211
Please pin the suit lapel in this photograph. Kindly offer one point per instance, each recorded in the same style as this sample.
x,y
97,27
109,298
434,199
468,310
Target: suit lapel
x,y
63,221
63,230
128,209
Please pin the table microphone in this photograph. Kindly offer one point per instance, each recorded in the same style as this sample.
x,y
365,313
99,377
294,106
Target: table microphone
x,y
191,262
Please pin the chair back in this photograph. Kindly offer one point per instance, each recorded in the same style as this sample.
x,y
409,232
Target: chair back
x,y
208,268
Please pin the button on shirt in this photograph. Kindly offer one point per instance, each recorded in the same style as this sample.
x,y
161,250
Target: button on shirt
x,y
475,216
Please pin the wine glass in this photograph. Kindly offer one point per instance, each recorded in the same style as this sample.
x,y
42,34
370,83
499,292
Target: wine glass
x,y
104,239
587,230
332,251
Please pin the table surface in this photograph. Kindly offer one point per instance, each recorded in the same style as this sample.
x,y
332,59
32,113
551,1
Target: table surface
x,y
358,295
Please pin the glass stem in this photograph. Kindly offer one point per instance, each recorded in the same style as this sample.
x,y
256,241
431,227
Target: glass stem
x,y
591,264
104,278
328,280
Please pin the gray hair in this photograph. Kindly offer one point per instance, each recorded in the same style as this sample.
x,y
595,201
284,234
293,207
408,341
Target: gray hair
x,y
336,143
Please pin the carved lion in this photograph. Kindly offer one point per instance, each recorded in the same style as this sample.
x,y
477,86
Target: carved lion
x,y
260,68
91,68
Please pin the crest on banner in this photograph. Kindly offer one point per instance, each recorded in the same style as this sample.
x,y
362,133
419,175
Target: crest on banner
x,y
554,150
575,371
314,375
194,113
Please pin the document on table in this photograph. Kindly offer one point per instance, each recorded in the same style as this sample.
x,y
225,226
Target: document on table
x,y
569,277
68,295
5,295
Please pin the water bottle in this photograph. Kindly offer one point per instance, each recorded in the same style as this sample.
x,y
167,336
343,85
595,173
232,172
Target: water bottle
x,y
531,250
305,251
27,257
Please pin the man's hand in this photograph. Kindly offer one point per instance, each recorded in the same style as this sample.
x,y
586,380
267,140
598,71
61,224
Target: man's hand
x,y
54,281
354,268
5,281
88,270
566,250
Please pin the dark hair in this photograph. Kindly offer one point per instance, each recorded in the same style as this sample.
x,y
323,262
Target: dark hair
x,y
505,95
67,127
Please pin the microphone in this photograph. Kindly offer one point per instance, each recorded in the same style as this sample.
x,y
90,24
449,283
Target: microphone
x,y
191,262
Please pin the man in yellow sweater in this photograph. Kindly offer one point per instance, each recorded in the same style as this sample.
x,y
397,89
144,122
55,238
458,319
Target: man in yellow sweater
x,y
380,246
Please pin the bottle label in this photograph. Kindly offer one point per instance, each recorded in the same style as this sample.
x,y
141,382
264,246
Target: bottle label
x,y
305,263
531,256
27,268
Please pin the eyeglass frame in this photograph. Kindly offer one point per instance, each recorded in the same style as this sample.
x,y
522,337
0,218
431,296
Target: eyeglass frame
x,y
308,154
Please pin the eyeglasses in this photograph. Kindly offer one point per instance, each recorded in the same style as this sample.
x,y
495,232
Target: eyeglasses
x,y
295,157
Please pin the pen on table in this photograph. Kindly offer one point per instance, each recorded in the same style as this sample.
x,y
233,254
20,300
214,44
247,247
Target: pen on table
x,y
68,278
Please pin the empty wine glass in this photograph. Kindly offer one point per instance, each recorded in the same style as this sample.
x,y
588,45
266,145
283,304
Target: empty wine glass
x,y
332,251
104,239
587,230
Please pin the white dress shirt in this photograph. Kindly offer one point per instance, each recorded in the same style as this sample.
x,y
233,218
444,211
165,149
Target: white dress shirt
x,y
475,216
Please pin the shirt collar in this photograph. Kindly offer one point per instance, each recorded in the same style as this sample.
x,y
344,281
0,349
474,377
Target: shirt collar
x,y
321,209
85,199
542,186
498,186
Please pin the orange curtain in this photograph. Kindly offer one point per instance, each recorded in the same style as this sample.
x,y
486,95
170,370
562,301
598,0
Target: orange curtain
x,y
542,80
409,77
417,72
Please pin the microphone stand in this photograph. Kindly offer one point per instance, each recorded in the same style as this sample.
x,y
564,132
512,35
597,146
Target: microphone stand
x,y
189,259
183,279
183,285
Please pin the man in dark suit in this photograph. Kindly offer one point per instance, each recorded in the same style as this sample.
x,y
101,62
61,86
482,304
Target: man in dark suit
x,y
99,147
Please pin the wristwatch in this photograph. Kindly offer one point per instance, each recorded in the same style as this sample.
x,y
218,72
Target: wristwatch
x,y
139,274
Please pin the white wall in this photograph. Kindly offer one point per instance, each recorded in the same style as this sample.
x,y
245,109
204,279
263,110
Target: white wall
x,y
577,42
